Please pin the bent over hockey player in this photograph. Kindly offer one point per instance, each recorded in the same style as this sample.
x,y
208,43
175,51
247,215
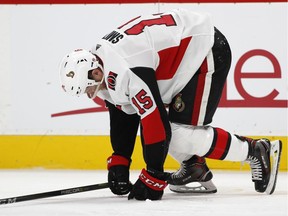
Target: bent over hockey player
x,y
176,61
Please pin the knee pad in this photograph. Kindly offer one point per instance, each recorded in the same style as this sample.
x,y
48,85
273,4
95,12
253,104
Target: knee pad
x,y
190,140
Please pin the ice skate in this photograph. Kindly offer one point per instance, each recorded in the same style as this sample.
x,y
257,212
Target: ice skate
x,y
193,171
264,158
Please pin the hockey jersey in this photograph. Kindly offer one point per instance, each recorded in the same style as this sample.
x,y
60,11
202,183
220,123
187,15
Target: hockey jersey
x,y
169,46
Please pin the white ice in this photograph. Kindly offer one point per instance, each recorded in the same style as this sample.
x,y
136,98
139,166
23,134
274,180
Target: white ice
x,y
235,196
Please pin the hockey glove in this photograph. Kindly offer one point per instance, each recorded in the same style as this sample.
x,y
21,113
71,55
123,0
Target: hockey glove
x,y
149,186
118,175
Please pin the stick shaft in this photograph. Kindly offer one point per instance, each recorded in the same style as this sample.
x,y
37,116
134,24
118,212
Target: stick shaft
x,y
53,193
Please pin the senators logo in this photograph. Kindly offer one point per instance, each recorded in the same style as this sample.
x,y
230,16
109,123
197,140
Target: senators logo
x,y
112,80
178,104
70,74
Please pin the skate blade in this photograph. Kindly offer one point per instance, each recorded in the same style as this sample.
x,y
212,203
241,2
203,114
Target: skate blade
x,y
275,155
203,188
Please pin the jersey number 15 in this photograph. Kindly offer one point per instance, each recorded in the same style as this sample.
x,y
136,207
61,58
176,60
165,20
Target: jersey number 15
x,y
142,101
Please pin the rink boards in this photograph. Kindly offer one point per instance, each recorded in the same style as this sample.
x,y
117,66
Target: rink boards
x,y
86,152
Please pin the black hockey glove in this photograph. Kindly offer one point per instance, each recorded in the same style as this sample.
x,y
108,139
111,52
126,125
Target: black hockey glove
x,y
150,185
118,175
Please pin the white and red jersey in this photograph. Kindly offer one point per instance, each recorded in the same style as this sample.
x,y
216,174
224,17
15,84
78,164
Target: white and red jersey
x,y
172,44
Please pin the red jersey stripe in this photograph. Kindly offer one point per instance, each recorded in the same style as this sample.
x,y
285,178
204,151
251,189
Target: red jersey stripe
x,y
153,128
170,60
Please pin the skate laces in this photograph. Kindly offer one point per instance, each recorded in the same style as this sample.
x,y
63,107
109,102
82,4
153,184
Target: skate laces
x,y
256,168
180,172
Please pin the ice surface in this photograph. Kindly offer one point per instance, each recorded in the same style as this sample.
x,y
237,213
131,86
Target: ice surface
x,y
235,196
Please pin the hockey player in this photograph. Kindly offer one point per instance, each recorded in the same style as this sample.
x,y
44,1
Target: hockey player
x,y
177,61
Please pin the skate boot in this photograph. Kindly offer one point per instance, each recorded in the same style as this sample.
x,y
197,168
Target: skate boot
x,y
193,170
264,158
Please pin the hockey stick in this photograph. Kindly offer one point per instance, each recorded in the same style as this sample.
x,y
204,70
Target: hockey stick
x,y
53,193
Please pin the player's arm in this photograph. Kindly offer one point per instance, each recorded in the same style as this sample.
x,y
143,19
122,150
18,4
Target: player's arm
x,y
123,132
155,126
155,134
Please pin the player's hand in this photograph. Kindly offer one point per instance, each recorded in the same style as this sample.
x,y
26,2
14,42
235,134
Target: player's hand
x,y
118,175
149,185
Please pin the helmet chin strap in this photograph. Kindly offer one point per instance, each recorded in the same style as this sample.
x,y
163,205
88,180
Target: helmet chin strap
x,y
97,88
